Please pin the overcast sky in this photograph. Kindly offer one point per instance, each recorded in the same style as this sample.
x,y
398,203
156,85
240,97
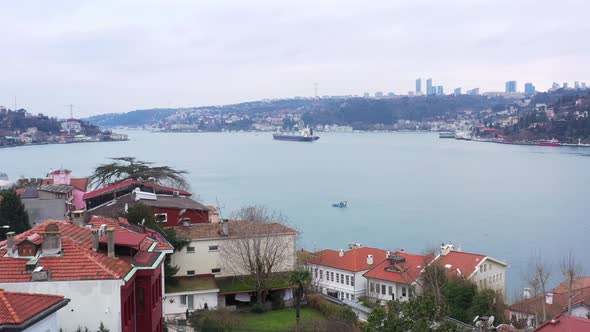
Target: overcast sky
x,y
117,56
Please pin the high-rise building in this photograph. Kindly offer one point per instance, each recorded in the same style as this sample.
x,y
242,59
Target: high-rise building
x,y
576,85
583,85
555,86
511,87
473,92
529,89
378,94
565,85
418,86
366,95
439,90
457,91
429,86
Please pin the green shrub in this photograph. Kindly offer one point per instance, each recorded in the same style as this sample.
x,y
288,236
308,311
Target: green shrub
x,y
258,308
277,301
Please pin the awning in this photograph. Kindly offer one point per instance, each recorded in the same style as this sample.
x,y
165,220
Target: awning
x,y
243,297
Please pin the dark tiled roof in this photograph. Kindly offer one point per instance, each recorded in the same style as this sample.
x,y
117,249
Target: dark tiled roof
x,y
56,188
130,182
236,229
30,192
177,202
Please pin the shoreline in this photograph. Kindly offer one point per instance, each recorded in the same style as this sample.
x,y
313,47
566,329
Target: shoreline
x,y
61,143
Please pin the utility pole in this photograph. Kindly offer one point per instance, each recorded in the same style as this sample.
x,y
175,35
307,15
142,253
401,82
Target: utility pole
x,y
71,111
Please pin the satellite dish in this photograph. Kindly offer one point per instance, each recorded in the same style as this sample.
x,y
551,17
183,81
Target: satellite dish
x,y
491,321
476,319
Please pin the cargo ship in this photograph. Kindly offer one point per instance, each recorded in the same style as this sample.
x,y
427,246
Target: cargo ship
x,y
306,135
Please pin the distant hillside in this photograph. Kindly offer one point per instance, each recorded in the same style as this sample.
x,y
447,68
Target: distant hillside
x,y
133,118
361,113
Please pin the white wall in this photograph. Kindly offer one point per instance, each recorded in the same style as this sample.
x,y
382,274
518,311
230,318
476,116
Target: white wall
x,y
91,302
173,306
203,260
47,324
580,311
396,288
490,275
324,284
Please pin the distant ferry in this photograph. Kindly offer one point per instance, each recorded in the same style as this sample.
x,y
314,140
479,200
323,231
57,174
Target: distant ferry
x,y
446,134
548,142
306,135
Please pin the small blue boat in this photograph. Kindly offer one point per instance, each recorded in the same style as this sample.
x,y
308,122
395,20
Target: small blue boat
x,y
341,204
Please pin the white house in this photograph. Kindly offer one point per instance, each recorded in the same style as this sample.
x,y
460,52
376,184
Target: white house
x,y
395,278
30,312
340,273
71,126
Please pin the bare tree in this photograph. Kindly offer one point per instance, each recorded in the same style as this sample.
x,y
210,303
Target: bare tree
x,y
570,269
259,245
433,278
537,276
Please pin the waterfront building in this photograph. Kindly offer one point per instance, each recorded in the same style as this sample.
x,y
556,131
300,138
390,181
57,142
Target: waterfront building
x,y
339,274
71,126
418,86
111,271
511,87
439,90
30,312
395,278
208,280
529,89
429,86
457,91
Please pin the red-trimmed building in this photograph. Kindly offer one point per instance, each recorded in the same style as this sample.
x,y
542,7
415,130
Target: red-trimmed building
x,y
30,312
111,271
170,210
108,193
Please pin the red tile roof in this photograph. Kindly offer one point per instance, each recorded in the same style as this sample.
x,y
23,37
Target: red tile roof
x,y
78,261
122,224
579,282
130,182
126,238
405,273
17,308
456,261
559,305
80,183
565,323
353,260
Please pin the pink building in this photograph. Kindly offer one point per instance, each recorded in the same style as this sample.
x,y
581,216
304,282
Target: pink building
x,y
63,176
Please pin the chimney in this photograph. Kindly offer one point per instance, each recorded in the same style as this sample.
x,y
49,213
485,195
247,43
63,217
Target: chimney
x,y
10,243
370,259
446,248
526,293
78,218
340,253
224,228
387,254
95,239
549,298
459,248
111,241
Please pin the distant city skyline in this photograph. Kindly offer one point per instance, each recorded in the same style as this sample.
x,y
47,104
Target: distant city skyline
x,y
118,56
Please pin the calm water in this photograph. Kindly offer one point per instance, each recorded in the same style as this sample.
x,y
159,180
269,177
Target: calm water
x,y
405,190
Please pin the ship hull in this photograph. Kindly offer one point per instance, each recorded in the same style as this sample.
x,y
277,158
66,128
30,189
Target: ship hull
x,y
295,138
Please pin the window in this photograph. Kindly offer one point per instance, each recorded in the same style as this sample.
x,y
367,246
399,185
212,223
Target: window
x,y
216,270
352,281
321,274
347,296
383,289
183,299
140,300
347,280
190,250
315,273
190,272
338,277
213,248
332,276
490,267
161,217
371,287
404,291
342,278
390,290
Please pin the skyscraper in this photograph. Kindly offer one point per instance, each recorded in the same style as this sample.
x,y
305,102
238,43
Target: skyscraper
x,y
529,89
418,86
576,85
439,90
429,86
457,91
565,85
511,87
555,86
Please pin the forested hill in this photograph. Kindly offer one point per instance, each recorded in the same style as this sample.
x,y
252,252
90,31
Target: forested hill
x,y
12,122
358,112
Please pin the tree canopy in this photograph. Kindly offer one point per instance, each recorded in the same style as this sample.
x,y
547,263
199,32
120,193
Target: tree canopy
x,y
125,168
12,214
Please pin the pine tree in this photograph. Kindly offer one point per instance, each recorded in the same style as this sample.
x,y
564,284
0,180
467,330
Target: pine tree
x,y
12,213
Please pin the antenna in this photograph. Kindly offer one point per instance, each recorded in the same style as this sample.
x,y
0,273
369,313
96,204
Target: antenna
x,y
71,110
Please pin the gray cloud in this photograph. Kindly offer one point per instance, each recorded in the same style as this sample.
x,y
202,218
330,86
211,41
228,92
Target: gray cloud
x,y
115,56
